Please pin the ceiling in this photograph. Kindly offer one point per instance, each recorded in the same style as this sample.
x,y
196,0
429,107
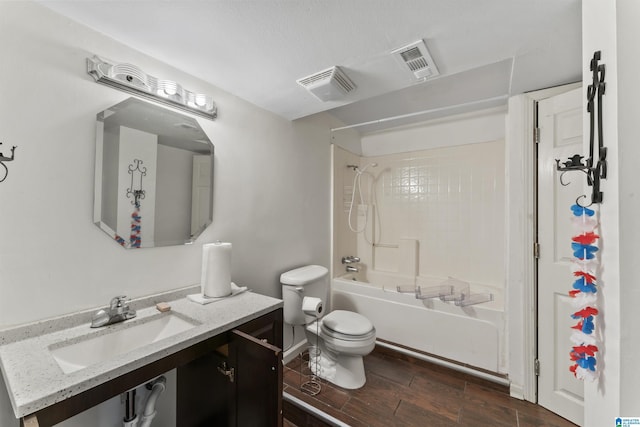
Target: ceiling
x,y
484,50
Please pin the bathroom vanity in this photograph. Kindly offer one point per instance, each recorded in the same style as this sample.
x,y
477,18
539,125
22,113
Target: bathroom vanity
x,y
227,356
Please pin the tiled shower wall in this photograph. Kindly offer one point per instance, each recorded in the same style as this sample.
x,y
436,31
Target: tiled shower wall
x,y
450,200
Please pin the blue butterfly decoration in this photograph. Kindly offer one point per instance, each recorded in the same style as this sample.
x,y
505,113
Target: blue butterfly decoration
x,y
581,251
583,286
587,363
581,210
587,325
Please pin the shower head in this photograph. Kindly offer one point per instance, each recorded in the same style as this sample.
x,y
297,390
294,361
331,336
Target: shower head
x,y
373,165
357,169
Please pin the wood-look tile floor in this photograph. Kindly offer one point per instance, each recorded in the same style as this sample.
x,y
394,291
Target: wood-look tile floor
x,y
403,391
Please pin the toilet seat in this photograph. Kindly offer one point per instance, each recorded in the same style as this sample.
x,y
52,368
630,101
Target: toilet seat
x,y
347,325
327,333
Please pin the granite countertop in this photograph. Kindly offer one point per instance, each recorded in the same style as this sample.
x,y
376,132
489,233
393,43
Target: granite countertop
x,y
34,380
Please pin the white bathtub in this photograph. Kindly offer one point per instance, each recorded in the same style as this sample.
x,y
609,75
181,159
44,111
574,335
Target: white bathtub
x,y
472,335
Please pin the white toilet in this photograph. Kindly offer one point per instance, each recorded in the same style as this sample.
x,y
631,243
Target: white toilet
x,y
343,337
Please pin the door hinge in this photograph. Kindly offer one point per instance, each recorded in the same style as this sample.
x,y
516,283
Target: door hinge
x,y
227,372
536,367
536,250
536,135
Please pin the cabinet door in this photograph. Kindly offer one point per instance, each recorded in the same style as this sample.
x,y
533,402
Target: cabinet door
x,y
203,393
258,382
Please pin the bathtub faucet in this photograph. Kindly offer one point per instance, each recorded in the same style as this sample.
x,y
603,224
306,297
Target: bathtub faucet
x,y
350,259
352,269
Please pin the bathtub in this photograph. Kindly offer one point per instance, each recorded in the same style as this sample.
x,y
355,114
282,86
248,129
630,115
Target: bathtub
x,y
472,336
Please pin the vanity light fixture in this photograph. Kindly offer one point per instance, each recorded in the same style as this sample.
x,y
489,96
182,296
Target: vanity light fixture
x,y
132,79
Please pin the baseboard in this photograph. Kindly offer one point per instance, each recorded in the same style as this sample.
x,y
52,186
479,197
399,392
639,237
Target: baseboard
x,y
516,391
442,362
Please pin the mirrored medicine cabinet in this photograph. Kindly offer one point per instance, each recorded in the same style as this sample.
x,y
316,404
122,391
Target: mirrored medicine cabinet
x,y
153,175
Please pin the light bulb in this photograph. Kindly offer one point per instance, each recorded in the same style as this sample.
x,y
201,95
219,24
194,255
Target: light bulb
x,y
201,100
169,87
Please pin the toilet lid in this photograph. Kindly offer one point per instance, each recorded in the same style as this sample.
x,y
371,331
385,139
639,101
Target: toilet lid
x,y
347,323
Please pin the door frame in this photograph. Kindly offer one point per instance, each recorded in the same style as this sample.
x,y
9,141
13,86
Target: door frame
x,y
520,237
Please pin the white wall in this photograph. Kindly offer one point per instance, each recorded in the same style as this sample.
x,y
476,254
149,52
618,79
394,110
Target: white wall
x,y
271,194
612,27
460,129
348,139
628,34
173,194
602,398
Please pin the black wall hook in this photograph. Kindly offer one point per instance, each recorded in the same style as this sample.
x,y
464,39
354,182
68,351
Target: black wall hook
x,y
137,193
595,91
3,159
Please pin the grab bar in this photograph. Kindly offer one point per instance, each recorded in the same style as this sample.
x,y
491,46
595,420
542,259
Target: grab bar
x,y
451,290
459,290
408,289
385,245
473,299
441,292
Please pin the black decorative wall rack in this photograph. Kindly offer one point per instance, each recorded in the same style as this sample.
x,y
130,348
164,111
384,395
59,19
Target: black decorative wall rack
x,y
137,193
595,91
3,159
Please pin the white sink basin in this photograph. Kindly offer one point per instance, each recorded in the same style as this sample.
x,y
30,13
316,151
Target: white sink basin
x,y
124,338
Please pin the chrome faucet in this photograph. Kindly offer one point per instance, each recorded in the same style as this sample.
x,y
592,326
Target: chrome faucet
x,y
350,259
118,311
352,269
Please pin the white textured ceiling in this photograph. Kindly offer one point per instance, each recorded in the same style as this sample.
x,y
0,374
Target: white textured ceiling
x,y
485,50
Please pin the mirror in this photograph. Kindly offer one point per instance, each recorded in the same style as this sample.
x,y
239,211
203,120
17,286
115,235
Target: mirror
x,y
154,176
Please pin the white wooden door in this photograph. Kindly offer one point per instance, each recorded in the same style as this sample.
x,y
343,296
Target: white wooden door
x,y
560,123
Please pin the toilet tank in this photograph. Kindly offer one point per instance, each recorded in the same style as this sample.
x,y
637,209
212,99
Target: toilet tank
x,y
308,281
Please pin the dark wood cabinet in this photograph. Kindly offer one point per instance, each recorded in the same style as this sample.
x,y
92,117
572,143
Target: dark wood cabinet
x,y
237,384
250,355
257,395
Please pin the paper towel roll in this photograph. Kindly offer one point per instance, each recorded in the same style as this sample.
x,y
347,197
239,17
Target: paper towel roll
x,y
216,270
312,306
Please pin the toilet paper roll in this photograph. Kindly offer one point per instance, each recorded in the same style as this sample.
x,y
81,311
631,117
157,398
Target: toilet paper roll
x,y
312,306
216,270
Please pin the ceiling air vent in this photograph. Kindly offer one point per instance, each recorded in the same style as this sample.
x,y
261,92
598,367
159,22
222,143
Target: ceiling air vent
x,y
417,59
331,84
